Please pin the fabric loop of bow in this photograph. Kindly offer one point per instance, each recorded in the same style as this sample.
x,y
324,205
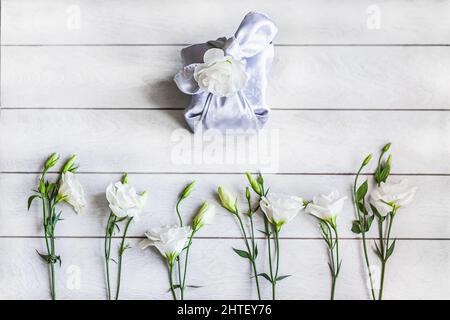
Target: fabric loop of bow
x,y
252,45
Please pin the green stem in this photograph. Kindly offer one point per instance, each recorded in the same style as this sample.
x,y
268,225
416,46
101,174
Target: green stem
x,y
177,207
277,252
363,234
269,249
383,269
108,238
336,268
52,255
254,257
179,278
171,281
182,283
390,217
121,251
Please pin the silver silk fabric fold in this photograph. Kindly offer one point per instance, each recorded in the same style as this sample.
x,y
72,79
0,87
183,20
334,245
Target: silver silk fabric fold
x,y
247,109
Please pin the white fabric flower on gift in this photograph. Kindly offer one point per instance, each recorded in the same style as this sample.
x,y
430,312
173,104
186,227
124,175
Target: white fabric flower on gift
x,y
71,191
280,209
392,194
124,201
220,75
169,240
326,207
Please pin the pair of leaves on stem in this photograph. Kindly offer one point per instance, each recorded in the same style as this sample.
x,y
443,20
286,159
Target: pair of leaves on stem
x,y
177,286
267,277
364,223
246,255
389,251
50,258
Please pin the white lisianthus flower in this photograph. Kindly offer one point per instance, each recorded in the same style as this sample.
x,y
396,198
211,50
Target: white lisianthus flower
x,y
204,216
326,207
71,191
219,74
124,201
280,209
169,240
392,195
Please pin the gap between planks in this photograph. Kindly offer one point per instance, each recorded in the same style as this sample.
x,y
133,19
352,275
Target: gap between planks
x,y
188,44
236,173
224,238
180,109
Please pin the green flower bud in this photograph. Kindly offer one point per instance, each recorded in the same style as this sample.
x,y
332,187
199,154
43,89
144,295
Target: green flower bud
x,y
367,160
68,165
51,161
247,193
125,178
227,201
389,160
260,179
187,190
204,216
253,183
386,147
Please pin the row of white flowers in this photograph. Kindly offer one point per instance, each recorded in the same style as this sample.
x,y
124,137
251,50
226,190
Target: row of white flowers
x,y
174,241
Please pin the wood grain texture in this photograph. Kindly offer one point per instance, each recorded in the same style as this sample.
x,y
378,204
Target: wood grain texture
x,y
417,270
155,22
303,77
84,77
427,217
294,141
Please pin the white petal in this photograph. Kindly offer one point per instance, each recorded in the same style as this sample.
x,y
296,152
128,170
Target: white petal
x,y
212,55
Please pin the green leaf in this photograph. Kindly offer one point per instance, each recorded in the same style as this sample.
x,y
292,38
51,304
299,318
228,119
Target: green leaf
x,y
384,174
390,250
376,212
362,208
30,200
242,253
356,226
265,276
362,191
194,287
368,223
256,251
283,277
378,251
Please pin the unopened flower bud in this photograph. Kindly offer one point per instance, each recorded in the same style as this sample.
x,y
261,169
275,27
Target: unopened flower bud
x,y
227,201
386,147
187,191
204,216
68,165
51,161
247,193
367,160
253,183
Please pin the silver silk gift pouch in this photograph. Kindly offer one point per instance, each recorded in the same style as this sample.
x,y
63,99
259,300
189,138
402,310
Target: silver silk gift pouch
x,y
228,77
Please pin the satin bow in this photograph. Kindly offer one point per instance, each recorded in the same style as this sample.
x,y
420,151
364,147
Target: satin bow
x,y
246,109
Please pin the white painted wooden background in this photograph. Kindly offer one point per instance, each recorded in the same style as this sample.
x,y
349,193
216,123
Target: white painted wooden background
x,y
94,78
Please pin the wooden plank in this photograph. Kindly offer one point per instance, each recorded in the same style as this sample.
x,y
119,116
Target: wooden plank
x,y
426,217
417,270
155,141
152,22
303,77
